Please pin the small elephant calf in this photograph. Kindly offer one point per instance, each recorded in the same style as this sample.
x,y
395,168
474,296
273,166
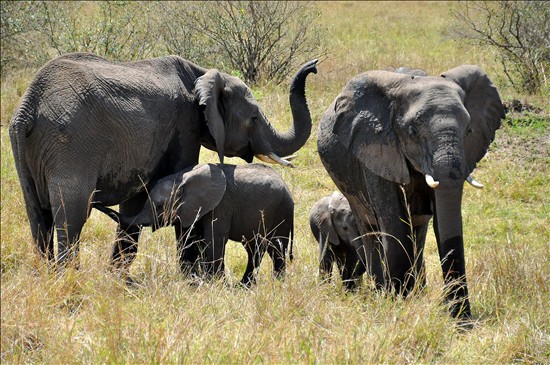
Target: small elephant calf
x,y
333,224
248,203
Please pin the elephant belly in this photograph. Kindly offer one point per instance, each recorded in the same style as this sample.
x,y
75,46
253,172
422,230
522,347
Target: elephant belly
x,y
110,190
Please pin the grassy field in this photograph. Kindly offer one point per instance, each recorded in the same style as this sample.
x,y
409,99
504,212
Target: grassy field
x,y
90,316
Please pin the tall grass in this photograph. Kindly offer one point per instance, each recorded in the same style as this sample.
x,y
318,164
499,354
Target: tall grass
x,y
90,316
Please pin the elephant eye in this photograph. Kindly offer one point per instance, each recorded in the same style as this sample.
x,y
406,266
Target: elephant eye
x,y
412,130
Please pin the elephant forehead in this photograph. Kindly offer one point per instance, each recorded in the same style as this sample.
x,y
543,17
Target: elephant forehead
x,y
430,88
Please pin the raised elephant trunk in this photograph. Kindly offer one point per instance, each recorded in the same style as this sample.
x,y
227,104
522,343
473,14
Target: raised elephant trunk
x,y
286,143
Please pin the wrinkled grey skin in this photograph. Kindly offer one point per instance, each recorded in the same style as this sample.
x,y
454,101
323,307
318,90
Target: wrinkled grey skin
x,y
88,129
246,203
333,225
377,140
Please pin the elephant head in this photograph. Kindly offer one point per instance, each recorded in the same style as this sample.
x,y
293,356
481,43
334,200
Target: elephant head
x,y
237,125
440,126
397,127
335,219
185,196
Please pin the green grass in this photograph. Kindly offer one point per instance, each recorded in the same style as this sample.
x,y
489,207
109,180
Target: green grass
x,y
89,316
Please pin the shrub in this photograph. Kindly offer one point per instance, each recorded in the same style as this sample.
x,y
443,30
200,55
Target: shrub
x,y
517,31
259,40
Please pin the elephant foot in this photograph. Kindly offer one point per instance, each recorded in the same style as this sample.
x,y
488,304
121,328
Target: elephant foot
x,y
352,285
247,282
465,325
130,283
189,269
123,275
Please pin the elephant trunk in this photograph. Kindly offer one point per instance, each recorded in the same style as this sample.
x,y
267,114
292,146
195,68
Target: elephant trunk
x,y
450,170
450,243
286,143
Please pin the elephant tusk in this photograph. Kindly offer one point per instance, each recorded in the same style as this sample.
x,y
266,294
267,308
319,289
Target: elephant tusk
x,y
431,182
476,184
273,158
290,158
264,158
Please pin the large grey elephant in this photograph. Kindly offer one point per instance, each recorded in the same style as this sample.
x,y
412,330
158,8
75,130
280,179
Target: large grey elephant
x,y
248,203
88,129
334,226
400,147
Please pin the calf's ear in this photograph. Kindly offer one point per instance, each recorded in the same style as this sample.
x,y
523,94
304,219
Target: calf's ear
x,y
202,190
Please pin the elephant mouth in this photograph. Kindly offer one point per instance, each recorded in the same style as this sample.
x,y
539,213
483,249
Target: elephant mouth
x,y
245,153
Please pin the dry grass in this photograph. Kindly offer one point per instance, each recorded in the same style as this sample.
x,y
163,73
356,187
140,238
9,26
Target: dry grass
x,y
89,316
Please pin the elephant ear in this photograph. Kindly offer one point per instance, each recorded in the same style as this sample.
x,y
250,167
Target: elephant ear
x,y
202,190
323,220
208,91
363,124
484,106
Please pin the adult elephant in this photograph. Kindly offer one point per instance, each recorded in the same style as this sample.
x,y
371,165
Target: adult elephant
x,y
88,129
400,147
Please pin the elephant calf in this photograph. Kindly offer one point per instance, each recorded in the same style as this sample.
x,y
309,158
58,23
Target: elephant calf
x,y
248,203
333,224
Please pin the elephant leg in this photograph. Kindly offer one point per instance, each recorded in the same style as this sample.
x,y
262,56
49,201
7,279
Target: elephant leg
x,y
188,249
350,269
125,248
70,210
395,235
326,260
255,250
370,252
126,244
41,223
215,238
276,248
42,226
420,233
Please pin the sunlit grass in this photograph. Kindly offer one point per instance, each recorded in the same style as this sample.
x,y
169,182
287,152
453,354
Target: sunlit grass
x,y
90,316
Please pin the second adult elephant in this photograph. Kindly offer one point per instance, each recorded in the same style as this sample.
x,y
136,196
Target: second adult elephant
x,y
400,147
89,129
246,203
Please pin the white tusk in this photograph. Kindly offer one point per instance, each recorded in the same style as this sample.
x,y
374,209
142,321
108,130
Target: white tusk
x,y
290,158
476,184
431,182
273,158
264,158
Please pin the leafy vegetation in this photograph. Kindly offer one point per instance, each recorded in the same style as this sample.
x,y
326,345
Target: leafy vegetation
x,y
518,33
90,316
261,40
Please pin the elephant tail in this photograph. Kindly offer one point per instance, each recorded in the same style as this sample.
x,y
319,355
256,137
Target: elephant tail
x,y
20,127
113,214
290,253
